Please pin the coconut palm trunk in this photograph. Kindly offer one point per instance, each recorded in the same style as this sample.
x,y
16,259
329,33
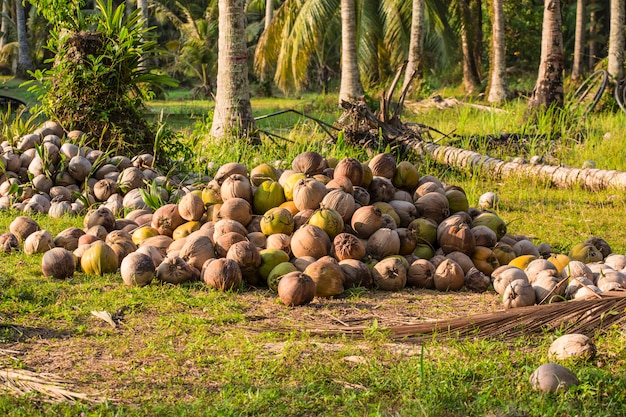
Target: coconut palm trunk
x,y
616,39
549,87
471,77
579,40
4,23
593,33
233,111
142,5
24,63
416,43
498,88
351,87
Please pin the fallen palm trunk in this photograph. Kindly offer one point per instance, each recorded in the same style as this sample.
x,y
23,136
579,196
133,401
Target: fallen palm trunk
x,y
586,317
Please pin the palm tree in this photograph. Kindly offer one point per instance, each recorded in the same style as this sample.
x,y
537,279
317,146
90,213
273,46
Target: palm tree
x,y
4,23
24,62
549,87
233,111
416,42
498,89
351,87
142,6
470,35
616,39
579,40
269,12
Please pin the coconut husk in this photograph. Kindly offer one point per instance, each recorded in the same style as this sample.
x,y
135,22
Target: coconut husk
x,y
585,317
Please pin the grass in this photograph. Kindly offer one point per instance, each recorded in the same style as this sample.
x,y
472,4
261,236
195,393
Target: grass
x,y
187,350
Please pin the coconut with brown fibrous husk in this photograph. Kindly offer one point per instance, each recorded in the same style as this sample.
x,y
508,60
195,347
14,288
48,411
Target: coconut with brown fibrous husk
x,y
340,201
23,226
611,280
58,263
356,274
308,193
223,226
502,276
38,242
310,240
389,274
383,165
247,256
137,269
519,293
448,276
174,270
421,274
166,219
236,186
280,241
464,261
572,346
296,288
381,189
302,262
382,243
191,207
228,169
153,253
223,274
476,281
309,163
224,242
434,206
197,250
237,209
348,246
159,242
328,278
350,168
8,242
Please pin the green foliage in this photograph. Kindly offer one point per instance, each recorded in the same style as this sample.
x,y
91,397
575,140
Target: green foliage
x,y
101,77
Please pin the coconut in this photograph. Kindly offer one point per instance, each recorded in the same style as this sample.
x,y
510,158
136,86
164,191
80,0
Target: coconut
x,y
488,200
153,253
133,200
366,220
484,236
389,274
504,253
191,207
59,263
197,250
280,241
421,274
476,281
464,261
137,269
356,274
615,261
382,243
492,221
448,276
361,197
309,163
552,378
269,194
600,244
504,275
175,270
381,189
328,220
351,169
340,201
270,258
236,186
8,242
310,240
79,168
340,183
585,253
406,176
248,257
222,274
457,238
574,345
229,169
383,165
538,265
433,206
223,226
23,226
185,229
99,259
577,269
548,287
38,242
262,172
236,208
328,278
224,242
259,240
296,288
519,293
101,216
611,280
308,193
160,242
59,209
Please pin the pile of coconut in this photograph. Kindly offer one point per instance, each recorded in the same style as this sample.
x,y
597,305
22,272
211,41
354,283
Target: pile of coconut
x,y
316,229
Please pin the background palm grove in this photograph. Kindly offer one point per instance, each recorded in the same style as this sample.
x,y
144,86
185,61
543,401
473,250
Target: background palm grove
x,y
192,99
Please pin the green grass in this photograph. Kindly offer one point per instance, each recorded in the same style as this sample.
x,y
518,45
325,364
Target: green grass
x,y
187,350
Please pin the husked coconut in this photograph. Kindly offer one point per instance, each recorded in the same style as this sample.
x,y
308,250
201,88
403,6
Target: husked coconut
x,y
574,345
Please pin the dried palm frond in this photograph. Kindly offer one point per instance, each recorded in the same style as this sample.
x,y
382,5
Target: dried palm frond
x,y
585,316
49,386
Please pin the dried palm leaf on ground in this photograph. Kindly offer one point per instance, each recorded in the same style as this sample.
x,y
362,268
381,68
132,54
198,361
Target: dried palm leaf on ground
x,y
49,386
585,316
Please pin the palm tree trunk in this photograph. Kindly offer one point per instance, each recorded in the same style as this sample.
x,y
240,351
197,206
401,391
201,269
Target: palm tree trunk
x,y
549,87
593,32
24,63
561,177
233,111
498,89
579,40
616,39
269,12
351,87
416,42
4,25
471,77
130,7
142,5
